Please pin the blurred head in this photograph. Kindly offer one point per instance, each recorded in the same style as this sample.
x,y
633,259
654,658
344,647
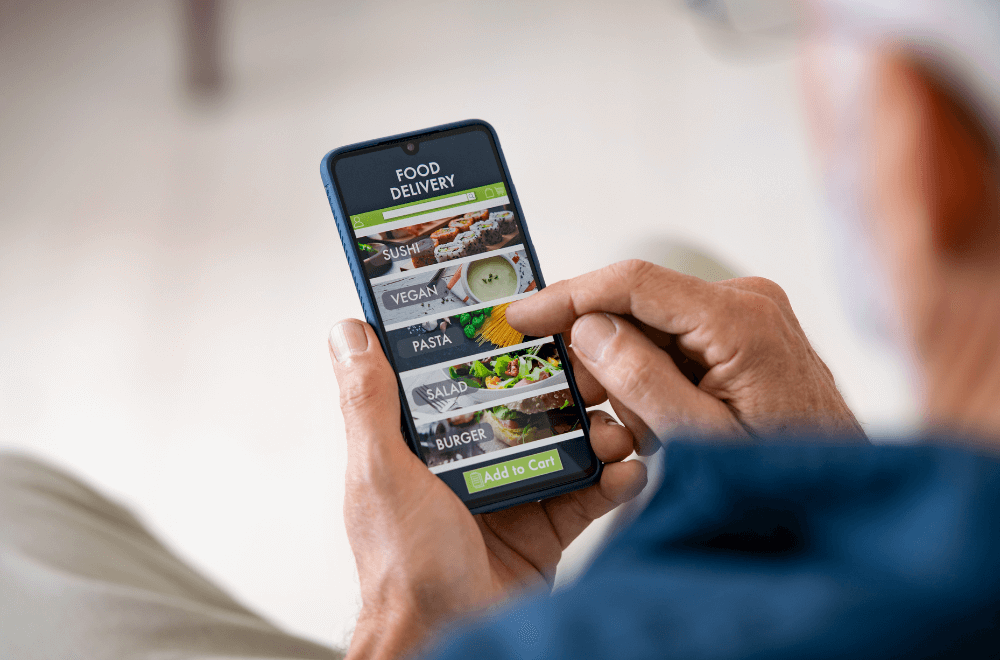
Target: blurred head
x,y
903,98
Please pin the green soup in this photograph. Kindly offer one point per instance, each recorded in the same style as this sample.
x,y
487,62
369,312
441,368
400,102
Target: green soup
x,y
492,278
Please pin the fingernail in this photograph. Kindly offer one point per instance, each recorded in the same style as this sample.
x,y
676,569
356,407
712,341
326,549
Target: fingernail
x,y
611,421
348,338
591,334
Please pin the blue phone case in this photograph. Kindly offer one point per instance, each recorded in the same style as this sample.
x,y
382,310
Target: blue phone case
x,y
368,304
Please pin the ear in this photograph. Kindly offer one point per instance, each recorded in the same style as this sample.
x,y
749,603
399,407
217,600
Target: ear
x,y
933,158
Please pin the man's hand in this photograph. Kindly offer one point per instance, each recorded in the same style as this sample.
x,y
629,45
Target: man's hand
x,y
422,558
724,359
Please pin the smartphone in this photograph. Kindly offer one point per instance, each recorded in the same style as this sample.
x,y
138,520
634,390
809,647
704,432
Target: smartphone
x,y
438,248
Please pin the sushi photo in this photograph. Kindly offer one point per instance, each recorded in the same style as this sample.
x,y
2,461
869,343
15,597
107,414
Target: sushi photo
x,y
488,230
447,252
506,221
444,235
476,216
461,224
472,243
418,246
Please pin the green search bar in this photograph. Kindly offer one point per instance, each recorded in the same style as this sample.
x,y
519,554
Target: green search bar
x,y
402,215
430,206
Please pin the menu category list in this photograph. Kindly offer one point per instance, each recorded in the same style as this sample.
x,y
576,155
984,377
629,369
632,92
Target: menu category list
x,y
475,385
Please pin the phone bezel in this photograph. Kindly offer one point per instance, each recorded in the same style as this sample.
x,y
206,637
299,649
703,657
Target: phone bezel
x,y
486,502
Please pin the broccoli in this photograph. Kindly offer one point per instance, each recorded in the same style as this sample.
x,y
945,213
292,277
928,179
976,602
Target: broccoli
x,y
464,318
469,331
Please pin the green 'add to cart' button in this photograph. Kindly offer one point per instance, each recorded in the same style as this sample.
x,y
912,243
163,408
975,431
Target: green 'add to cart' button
x,y
508,472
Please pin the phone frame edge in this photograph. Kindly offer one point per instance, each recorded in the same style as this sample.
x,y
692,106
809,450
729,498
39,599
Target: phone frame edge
x,y
367,304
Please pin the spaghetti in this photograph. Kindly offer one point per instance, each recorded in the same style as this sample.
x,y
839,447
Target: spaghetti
x,y
497,331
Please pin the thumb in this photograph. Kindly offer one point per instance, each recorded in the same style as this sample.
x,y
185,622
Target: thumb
x,y
369,398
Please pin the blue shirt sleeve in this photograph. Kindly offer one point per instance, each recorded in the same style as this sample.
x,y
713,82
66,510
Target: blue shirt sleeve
x,y
783,551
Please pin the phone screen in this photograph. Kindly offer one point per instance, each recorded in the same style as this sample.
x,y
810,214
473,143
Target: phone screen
x,y
444,252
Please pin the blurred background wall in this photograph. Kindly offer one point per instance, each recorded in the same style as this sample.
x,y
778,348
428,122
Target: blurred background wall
x,y
169,267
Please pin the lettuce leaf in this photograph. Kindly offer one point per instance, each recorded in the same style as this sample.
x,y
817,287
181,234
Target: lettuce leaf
x,y
479,370
503,412
501,365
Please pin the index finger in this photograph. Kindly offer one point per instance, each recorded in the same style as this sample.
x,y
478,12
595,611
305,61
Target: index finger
x,y
634,287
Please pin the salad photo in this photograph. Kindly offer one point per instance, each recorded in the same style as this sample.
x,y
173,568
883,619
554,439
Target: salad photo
x,y
520,368
519,372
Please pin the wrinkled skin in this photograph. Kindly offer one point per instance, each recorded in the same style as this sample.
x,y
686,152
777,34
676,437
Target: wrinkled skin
x,y
725,359
422,558
679,355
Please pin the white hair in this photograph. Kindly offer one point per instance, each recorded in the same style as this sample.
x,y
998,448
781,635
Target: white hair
x,y
960,37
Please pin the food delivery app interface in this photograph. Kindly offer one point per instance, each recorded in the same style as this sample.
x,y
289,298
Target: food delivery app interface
x,y
443,251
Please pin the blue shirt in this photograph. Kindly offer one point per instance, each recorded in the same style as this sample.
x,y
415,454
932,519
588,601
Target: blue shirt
x,y
783,551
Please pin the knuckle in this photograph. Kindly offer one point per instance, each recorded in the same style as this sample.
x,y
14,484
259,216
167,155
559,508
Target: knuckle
x,y
632,270
763,309
767,288
356,398
361,392
769,335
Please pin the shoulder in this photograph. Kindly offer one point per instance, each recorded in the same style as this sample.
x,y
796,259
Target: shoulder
x,y
783,550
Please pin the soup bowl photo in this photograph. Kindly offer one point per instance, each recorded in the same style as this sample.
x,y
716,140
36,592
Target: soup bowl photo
x,y
491,278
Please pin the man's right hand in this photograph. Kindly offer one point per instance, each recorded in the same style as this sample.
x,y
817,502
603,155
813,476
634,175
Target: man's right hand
x,y
722,359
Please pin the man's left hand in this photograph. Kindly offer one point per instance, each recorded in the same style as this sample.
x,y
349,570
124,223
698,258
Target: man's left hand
x,y
422,558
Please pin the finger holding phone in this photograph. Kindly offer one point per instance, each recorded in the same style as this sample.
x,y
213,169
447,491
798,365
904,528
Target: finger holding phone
x,y
423,559
449,410
681,356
